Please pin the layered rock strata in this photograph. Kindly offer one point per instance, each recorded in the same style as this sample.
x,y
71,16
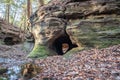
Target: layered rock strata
x,y
82,24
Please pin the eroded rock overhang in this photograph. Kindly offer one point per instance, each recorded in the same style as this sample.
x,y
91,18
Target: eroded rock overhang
x,y
79,23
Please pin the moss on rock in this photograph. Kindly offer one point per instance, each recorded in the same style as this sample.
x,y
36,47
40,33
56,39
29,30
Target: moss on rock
x,y
40,51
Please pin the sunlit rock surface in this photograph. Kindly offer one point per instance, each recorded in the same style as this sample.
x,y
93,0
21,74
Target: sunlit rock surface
x,y
82,24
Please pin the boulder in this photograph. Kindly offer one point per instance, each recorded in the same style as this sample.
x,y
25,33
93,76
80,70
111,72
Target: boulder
x,y
10,34
82,24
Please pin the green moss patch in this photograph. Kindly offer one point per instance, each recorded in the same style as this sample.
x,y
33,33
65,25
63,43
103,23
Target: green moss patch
x,y
40,51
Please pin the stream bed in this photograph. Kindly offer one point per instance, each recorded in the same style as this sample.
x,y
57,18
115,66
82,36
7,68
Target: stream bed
x,y
11,69
12,58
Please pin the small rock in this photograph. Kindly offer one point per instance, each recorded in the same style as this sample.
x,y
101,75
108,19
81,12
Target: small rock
x,y
90,78
77,78
3,70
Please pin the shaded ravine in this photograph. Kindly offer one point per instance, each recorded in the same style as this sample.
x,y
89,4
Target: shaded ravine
x,y
11,60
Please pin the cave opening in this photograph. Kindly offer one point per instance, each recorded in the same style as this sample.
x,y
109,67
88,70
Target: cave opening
x,y
63,44
10,41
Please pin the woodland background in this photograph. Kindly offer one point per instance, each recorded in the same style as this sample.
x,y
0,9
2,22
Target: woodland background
x,y
17,12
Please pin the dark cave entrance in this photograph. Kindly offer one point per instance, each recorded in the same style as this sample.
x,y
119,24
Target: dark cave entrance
x,y
10,41
61,43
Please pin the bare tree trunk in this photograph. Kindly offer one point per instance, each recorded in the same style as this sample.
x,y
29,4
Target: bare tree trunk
x,y
29,8
14,17
29,11
7,12
25,19
41,3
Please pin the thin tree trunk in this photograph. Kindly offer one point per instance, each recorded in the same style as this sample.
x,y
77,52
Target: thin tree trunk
x,y
14,17
29,11
25,19
29,8
41,3
7,12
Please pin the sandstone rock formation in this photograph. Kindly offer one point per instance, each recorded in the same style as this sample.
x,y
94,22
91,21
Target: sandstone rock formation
x,y
10,34
82,24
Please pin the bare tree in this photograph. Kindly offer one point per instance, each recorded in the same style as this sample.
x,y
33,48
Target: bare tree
x,y
29,8
41,3
7,10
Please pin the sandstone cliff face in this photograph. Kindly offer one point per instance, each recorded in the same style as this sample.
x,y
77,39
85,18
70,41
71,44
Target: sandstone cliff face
x,y
10,34
79,23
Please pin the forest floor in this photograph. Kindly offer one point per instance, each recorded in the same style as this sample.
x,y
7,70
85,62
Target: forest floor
x,y
94,64
13,55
